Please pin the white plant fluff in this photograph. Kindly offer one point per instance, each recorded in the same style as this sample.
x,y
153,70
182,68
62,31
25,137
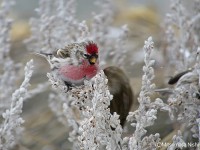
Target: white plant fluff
x,y
96,126
11,127
145,115
99,127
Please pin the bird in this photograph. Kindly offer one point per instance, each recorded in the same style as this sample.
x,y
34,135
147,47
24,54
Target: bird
x,y
79,61
181,77
74,63
185,77
123,96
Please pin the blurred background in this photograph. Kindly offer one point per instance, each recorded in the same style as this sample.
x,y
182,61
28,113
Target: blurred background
x,y
24,9
144,18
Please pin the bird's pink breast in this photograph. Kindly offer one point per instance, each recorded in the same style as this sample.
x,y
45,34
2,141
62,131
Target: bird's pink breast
x,y
70,72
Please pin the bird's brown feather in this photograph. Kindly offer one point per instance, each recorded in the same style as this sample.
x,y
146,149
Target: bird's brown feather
x,y
120,88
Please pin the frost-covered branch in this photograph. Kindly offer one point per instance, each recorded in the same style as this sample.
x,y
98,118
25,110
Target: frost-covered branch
x,y
11,100
181,35
99,127
185,98
142,115
8,68
5,26
94,127
42,87
198,123
11,128
183,51
55,27
145,115
120,50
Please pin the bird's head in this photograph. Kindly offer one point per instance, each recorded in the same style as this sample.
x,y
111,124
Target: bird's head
x,y
85,52
91,52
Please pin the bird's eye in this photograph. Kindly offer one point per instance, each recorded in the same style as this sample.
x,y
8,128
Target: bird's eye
x,y
85,55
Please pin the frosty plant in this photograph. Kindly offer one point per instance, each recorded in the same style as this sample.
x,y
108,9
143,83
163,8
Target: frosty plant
x,y
9,68
98,127
185,98
11,97
181,35
145,115
11,128
95,126
183,52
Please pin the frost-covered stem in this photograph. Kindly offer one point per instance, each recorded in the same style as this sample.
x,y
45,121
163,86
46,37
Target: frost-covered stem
x,y
197,65
185,97
181,22
7,67
100,29
146,113
99,127
38,89
67,114
11,126
148,76
120,55
55,26
182,44
84,32
197,68
94,126
198,123
5,26
73,119
56,104
62,105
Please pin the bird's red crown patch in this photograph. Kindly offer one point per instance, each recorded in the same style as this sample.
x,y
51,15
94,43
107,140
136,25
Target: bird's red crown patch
x,y
91,48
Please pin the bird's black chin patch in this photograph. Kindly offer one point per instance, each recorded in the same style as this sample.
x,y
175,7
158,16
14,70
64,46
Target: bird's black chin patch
x,y
91,63
92,59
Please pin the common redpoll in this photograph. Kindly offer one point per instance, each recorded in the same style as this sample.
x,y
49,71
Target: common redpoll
x,y
74,63
119,86
183,78
79,61
188,78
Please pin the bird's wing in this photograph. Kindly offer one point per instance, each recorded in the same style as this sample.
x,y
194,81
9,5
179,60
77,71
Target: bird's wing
x,y
63,53
190,77
175,78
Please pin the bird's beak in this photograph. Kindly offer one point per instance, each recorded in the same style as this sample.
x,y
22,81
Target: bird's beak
x,y
92,60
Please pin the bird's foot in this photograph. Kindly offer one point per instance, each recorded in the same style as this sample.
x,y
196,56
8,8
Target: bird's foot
x,y
69,86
